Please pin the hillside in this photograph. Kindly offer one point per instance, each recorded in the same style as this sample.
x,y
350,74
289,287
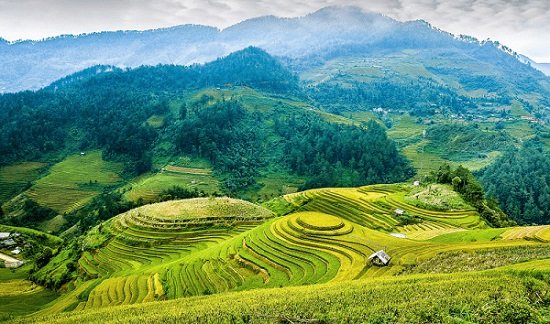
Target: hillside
x,y
350,113
211,245
427,298
340,167
237,126
219,245
243,125
398,57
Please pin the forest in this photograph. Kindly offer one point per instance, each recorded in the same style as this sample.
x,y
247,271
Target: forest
x,y
520,181
105,107
240,143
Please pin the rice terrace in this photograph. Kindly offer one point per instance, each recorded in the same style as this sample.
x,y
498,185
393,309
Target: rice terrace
x,y
217,247
275,162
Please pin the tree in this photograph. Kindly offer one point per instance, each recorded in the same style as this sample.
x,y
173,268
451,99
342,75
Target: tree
x,y
468,187
519,181
456,183
183,111
44,257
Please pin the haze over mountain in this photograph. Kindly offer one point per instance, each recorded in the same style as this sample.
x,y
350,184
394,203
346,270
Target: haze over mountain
x,y
266,184
327,33
543,67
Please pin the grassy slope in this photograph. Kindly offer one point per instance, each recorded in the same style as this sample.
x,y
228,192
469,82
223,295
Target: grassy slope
x,y
405,130
19,296
74,181
65,187
182,171
15,177
204,246
495,297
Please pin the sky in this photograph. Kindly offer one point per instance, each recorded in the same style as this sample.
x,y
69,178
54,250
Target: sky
x,y
522,25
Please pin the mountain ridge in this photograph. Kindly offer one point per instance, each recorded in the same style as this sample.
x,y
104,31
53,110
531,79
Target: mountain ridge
x,y
35,64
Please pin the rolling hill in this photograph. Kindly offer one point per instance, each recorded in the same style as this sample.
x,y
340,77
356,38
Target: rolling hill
x,y
312,170
329,45
238,126
224,246
441,99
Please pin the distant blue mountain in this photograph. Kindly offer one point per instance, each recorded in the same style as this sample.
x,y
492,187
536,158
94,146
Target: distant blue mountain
x,y
306,41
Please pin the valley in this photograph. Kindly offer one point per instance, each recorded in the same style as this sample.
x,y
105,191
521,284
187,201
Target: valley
x,y
339,167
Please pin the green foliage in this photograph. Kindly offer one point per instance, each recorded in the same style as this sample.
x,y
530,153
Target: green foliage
x,y
58,269
408,219
520,183
420,97
101,208
32,214
328,154
110,110
338,154
177,192
281,206
44,257
459,142
229,137
466,184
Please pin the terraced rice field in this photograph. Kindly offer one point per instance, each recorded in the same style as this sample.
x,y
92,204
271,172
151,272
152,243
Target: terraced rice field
x,y
14,178
375,207
536,233
72,182
451,298
424,162
21,297
214,245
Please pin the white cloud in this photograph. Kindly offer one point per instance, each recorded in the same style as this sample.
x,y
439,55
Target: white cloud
x,y
520,24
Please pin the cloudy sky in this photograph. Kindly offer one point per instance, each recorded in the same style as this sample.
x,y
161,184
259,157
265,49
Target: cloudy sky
x,y
523,25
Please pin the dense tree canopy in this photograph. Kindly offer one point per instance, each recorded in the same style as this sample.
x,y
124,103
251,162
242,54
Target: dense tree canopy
x,y
465,183
105,107
520,181
240,143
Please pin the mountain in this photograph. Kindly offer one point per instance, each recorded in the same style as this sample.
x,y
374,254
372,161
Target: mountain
x,y
325,34
242,118
305,179
543,67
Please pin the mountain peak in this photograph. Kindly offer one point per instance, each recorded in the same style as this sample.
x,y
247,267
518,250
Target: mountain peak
x,y
343,13
341,10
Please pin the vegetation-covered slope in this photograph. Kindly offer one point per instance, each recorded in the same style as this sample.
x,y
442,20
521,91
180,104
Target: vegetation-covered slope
x,y
246,142
212,245
520,180
510,296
